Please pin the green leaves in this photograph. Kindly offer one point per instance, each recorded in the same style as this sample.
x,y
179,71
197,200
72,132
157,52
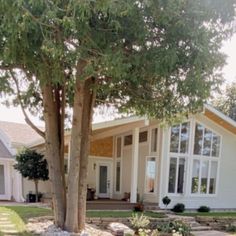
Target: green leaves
x,y
150,57
31,165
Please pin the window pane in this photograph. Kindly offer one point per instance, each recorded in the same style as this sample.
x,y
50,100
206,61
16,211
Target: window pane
x,y
195,176
150,174
213,174
117,176
174,140
207,143
184,138
204,176
154,140
172,175
143,136
215,145
128,140
180,185
198,139
118,146
2,180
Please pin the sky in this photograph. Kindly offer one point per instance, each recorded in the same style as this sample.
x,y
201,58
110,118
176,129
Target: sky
x,y
14,114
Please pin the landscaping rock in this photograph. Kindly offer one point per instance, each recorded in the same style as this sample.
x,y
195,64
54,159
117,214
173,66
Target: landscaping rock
x,y
119,229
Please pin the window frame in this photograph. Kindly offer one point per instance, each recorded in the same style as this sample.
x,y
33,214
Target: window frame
x,y
118,159
150,140
156,175
202,158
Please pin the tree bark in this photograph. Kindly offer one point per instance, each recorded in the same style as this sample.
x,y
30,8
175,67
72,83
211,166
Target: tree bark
x,y
71,223
89,94
36,190
53,153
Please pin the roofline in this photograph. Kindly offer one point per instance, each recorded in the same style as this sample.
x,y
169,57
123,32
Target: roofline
x,y
127,120
100,125
220,114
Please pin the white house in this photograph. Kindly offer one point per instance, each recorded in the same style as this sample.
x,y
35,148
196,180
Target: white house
x,y
193,162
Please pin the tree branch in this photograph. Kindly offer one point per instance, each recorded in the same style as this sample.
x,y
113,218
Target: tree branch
x,y
27,119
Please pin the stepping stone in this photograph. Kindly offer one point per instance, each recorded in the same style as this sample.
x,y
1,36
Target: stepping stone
x,y
119,229
9,231
210,233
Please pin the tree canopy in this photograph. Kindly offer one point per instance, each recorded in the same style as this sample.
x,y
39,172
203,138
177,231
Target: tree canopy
x,y
149,57
226,102
158,58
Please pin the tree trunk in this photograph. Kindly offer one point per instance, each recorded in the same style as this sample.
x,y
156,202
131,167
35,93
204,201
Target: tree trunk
x,y
36,190
71,224
53,153
88,104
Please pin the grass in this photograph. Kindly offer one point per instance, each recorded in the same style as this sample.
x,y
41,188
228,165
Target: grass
x,y
26,212
19,216
211,214
122,214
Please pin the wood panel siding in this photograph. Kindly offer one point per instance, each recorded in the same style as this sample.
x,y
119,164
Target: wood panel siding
x,y
212,116
102,147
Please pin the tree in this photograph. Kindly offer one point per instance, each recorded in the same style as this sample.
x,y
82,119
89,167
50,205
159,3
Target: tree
x,y
154,57
33,166
226,102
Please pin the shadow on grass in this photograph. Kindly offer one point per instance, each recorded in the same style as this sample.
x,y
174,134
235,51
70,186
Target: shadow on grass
x,y
27,212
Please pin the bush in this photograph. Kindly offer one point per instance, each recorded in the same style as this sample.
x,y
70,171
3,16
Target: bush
x,y
179,207
175,227
139,221
203,209
166,200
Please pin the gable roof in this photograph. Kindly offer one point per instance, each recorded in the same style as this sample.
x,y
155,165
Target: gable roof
x,y
220,118
4,152
19,134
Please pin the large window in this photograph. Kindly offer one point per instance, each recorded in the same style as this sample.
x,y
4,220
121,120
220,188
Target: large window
x,y
179,140
179,149
176,175
150,174
205,160
202,158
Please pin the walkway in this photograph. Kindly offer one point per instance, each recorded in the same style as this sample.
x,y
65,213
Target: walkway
x,y
7,227
210,233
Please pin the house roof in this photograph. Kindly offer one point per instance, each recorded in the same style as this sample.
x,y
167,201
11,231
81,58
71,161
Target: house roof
x,y
220,118
18,134
4,152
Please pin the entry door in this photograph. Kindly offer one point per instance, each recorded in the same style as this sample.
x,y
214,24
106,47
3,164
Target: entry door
x,y
2,181
104,180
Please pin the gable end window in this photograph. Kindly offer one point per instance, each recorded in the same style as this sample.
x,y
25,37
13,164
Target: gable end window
x,y
206,154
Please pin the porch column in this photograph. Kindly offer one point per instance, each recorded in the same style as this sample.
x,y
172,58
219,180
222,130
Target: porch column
x,y
134,166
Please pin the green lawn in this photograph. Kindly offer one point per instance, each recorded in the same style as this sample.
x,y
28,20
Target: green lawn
x,y
122,214
26,212
212,214
19,215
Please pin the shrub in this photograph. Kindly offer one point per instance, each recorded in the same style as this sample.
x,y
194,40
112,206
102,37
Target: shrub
x,y
175,227
139,221
203,209
166,200
179,207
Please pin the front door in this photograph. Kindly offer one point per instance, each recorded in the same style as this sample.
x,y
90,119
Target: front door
x,y
104,180
2,181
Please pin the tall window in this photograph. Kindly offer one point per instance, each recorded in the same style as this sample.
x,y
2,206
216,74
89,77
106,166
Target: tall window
x,y
118,164
150,175
205,160
179,149
154,135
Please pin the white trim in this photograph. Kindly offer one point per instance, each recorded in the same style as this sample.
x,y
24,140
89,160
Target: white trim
x,y
7,181
134,164
155,179
109,165
220,114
